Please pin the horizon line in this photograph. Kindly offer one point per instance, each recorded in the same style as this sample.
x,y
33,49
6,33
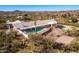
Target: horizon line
x,y
38,10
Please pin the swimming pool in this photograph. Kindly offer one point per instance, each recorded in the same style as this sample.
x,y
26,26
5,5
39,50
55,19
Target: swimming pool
x,y
33,30
37,29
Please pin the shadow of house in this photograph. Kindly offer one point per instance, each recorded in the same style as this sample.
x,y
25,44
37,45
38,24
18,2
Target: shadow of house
x,y
45,33
59,26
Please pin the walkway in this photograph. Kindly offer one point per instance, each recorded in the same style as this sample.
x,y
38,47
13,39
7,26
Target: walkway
x,y
25,35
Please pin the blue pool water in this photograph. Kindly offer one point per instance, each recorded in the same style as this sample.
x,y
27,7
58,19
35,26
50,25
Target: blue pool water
x,y
33,30
37,29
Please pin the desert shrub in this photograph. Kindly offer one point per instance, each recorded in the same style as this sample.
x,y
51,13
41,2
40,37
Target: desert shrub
x,y
39,41
8,43
73,47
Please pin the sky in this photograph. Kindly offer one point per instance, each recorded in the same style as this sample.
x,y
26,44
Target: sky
x,y
38,7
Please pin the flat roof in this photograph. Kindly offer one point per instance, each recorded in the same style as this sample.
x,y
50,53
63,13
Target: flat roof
x,y
30,24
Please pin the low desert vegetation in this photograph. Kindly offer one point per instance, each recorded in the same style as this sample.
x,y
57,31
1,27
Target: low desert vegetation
x,y
36,43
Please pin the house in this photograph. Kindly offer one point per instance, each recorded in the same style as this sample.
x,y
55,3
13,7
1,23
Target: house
x,y
21,25
26,25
